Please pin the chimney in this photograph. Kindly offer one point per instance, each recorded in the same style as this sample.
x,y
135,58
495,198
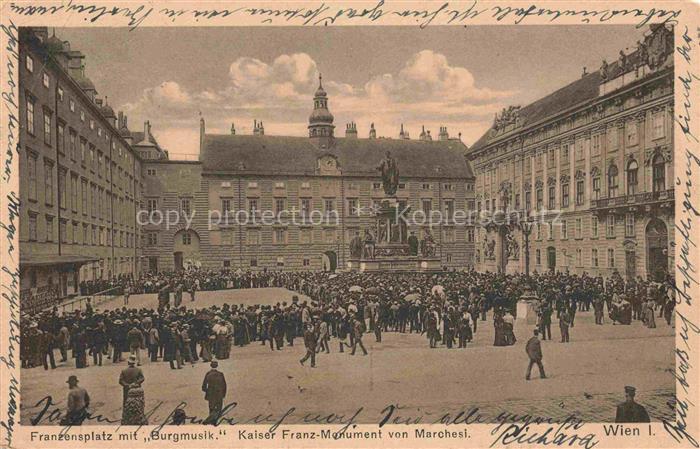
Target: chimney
x,y
98,101
428,137
261,130
585,72
422,133
233,129
443,133
372,132
351,130
120,120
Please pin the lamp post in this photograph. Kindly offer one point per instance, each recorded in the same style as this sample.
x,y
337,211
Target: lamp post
x,y
526,229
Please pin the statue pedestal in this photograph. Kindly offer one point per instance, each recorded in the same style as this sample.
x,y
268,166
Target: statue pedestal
x,y
397,264
526,308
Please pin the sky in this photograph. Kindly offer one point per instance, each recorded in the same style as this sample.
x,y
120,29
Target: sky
x,y
438,76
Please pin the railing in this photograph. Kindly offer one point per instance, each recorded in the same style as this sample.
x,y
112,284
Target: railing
x,y
95,299
637,198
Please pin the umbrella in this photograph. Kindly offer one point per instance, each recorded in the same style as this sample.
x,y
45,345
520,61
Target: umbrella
x,y
332,276
355,288
412,296
438,290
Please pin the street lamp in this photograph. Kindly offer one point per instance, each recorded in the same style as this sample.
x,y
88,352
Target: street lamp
x,y
526,229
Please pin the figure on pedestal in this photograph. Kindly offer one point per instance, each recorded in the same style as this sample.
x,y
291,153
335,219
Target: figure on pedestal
x,y
368,247
356,246
428,244
390,174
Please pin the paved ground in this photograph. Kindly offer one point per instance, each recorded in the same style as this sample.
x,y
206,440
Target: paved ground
x,y
586,376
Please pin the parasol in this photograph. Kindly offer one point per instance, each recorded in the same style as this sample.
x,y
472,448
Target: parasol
x,y
355,288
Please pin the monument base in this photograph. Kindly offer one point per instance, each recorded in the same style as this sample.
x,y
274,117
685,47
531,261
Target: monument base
x,y
526,308
395,264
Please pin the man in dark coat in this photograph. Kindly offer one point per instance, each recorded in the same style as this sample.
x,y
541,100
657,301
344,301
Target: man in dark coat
x,y
413,244
130,377
310,340
214,387
534,352
630,411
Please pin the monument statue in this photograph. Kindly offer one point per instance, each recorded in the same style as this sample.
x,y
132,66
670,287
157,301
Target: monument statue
x,y
428,245
356,246
390,174
368,245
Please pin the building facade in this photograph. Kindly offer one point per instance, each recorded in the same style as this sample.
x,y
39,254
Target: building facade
x,y
294,203
592,165
80,180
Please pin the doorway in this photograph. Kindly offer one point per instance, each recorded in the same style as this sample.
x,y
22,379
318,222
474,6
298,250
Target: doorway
x,y
657,250
178,261
329,261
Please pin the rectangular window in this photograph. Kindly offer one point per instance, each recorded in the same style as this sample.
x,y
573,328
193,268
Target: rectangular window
x,y
61,138
83,150
31,175
564,230
72,142
657,125
152,239
449,209
538,257
62,187
629,225
579,228
225,206
565,153
62,231
186,206
280,205
551,200
427,206
48,182
538,232
596,188
611,258
74,193
579,257
517,201
49,229
328,206
329,236
305,207
253,206
353,209
253,237
594,257
279,236
71,105
565,195
45,80
60,94
426,186
279,185
595,145
32,227
580,192
551,156
306,262
610,229
528,200
305,185
470,235
84,196
305,236
632,133
47,127
447,187
538,196
29,64
30,115
151,172
280,261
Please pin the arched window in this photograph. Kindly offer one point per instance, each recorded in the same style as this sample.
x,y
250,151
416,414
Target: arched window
x,y
632,169
659,173
613,181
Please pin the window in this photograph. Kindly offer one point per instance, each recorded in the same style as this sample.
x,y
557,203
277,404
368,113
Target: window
x,y
528,201
62,231
151,172
565,152
449,235
629,225
61,138
564,230
279,236
306,262
657,125
280,205
551,197
579,257
427,206
279,185
253,262
595,145
596,188
49,229
538,232
579,228
517,201
353,209
449,209
305,235
565,195
594,257
329,235
631,137
328,206
32,227
30,115
659,173
185,206
538,197
151,205
48,182
31,175
470,235
152,239
45,80
227,263
71,105
538,257
612,136
62,188
612,181
305,207
82,116
186,238
551,156
632,170
377,185
447,187
92,124
611,258
227,237
550,231
74,193
253,206
47,127
225,206
29,64
280,261
580,192
610,228
60,94
83,150
305,185
84,196
253,237
579,149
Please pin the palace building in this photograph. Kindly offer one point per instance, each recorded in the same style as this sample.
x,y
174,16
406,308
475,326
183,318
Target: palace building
x,y
80,178
317,192
592,165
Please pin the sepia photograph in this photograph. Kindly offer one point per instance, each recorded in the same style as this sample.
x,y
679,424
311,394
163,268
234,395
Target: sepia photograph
x,y
346,225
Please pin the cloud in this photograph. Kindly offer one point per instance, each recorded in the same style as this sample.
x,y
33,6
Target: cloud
x,y
427,90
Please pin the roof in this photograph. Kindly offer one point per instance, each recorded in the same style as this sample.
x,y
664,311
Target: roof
x,y
579,92
137,137
53,259
298,155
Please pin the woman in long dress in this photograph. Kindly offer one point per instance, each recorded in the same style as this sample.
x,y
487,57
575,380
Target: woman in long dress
x,y
499,337
651,321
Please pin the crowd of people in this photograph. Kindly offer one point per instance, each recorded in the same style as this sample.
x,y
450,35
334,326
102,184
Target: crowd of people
x,y
445,307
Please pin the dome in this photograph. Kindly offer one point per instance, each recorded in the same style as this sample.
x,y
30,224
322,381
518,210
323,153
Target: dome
x,y
321,116
84,82
107,111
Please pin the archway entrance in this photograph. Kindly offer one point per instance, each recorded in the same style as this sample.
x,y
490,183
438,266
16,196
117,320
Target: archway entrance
x,y
185,249
551,258
657,249
329,261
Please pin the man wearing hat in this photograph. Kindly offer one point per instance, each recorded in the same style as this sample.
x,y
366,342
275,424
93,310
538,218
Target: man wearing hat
x,y
310,340
534,352
131,376
78,402
214,388
630,411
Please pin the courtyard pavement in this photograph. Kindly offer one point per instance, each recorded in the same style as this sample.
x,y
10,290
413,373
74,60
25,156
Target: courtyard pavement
x,y
586,376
